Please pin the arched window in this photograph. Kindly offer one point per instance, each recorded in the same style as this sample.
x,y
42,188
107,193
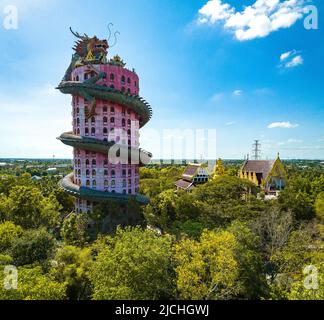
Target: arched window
x,y
135,84
105,163
128,91
112,110
93,131
123,79
79,162
105,109
88,183
106,183
113,173
129,172
105,131
93,173
112,120
105,119
78,131
87,173
123,122
86,130
94,162
124,191
77,110
77,78
79,172
124,172
112,77
129,142
129,132
94,183
106,173
113,183
93,120
129,122
87,162
124,183
128,80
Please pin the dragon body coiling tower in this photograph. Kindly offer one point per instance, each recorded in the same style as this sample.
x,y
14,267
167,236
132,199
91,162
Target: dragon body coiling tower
x,y
107,115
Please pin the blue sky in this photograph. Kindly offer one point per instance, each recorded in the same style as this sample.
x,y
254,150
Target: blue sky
x,y
202,64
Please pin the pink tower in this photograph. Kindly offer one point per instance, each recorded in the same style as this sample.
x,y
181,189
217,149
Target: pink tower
x,y
107,114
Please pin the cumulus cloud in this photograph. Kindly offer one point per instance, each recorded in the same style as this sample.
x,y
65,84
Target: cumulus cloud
x,y
255,21
237,93
283,124
291,59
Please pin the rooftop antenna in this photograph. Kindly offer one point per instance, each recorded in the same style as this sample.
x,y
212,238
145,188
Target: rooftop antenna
x,y
256,151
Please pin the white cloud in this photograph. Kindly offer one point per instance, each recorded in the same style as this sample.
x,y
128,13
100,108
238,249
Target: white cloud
x,y
255,21
286,55
237,93
230,123
283,124
296,61
291,59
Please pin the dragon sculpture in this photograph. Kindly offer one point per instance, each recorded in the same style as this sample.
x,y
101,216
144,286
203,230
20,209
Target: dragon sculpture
x,y
89,52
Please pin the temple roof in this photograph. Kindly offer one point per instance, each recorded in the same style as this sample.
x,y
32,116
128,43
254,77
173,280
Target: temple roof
x,y
183,184
190,171
259,166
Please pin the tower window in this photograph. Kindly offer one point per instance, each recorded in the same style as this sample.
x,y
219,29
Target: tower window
x,y
112,77
123,80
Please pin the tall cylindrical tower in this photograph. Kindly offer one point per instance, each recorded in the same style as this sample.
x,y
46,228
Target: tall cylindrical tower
x,y
107,114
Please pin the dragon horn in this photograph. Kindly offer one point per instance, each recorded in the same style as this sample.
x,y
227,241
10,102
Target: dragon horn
x,y
76,34
109,24
115,35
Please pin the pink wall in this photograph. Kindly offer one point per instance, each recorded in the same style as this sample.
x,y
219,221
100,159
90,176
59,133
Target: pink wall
x,y
99,173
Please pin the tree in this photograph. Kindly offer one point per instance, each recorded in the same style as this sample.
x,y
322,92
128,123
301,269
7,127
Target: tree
x,y
35,245
9,232
207,269
74,229
134,264
33,284
219,168
27,207
71,267
297,197
161,211
319,206
65,200
251,281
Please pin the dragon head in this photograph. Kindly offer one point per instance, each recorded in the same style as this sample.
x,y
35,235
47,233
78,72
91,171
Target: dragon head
x,y
90,50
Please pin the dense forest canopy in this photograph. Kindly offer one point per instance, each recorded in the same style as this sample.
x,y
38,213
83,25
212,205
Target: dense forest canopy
x,y
217,242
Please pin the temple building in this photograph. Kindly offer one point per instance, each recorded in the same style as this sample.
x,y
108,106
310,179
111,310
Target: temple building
x,y
107,113
194,174
269,175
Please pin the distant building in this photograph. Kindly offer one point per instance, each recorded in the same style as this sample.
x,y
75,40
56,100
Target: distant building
x,y
269,175
195,173
51,170
36,178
